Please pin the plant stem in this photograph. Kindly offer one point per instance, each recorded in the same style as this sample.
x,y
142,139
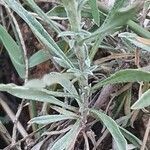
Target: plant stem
x,y
74,16
146,135
138,29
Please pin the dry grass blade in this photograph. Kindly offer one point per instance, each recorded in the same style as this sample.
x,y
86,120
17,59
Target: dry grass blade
x,y
5,134
146,135
11,115
86,141
111,57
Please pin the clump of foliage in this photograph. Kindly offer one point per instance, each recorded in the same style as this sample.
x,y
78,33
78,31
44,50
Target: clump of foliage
x,y
70,92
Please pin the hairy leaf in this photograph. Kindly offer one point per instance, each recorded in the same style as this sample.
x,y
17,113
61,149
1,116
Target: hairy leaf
x,y
50,119
113,129
128,75
68,140
144,101
136,40
15,53
43,15
33,94
73,14
39,31
116,18
133,139
95,11
39,57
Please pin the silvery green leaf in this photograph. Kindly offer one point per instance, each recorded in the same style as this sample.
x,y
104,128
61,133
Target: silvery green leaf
x,y
113,128
67,33
143,101
130,137
35,83
76,72
73,13
68,140
42,95
95,11
60,62
71,43
88,62
39,31
140,42
39,57
15,53
59,78
122,76
74,34
51,23
46,119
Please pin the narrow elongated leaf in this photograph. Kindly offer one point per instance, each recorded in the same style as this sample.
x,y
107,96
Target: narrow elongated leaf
x,y
33,94
128,75
43,15
113,129
15,53
115,19
39,57
60,62
68,140
144,101
39,31
50,119
136,40
95,11
133,139
58,11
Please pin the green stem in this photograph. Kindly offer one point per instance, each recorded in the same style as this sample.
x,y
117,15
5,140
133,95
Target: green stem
x,y
138,29
33,113
74,16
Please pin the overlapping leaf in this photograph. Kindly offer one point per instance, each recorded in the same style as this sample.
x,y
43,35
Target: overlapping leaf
x,y
68,140
113,129
58,78
50,119
39,57
43,15
39,31
42,95
136,40
95,11
15,53
144,101
127,75
133,139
